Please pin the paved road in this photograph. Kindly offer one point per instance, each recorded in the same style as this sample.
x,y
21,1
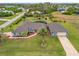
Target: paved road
x,y
68,47
12,20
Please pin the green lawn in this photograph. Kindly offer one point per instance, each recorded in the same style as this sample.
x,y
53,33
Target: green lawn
x,y
31,18
1,22
73,34
13,27
36,19
10,17
31,47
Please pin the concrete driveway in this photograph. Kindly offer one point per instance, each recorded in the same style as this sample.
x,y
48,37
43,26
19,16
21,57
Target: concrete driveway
x,y
68,47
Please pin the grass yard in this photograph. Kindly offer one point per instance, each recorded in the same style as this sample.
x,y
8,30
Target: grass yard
x,y
1,22
10,17
73,34
48,20
13,27
31,47
36,19
30,19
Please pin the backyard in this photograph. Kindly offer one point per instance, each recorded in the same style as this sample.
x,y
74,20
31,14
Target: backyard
x,y
33,19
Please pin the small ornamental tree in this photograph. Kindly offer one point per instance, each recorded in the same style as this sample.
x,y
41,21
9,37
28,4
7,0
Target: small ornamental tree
x,y
42,33
24,33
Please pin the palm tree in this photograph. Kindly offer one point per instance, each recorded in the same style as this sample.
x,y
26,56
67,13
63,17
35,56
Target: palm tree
x,y
24,33
42,33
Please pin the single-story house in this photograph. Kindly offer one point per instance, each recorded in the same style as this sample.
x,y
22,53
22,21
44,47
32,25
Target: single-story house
x,y
57,29
77,12
30,27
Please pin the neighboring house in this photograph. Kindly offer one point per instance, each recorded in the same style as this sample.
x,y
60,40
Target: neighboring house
x,y
77,12
76,6
32,12
30,27
27,10
62,9
7,11
36,12
57,29
21,8
2,9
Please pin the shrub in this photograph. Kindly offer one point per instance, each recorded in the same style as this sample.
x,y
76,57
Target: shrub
x,y
43,44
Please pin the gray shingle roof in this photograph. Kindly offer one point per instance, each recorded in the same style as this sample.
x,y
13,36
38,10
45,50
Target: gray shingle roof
x,y
23,27
55,27
27,24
